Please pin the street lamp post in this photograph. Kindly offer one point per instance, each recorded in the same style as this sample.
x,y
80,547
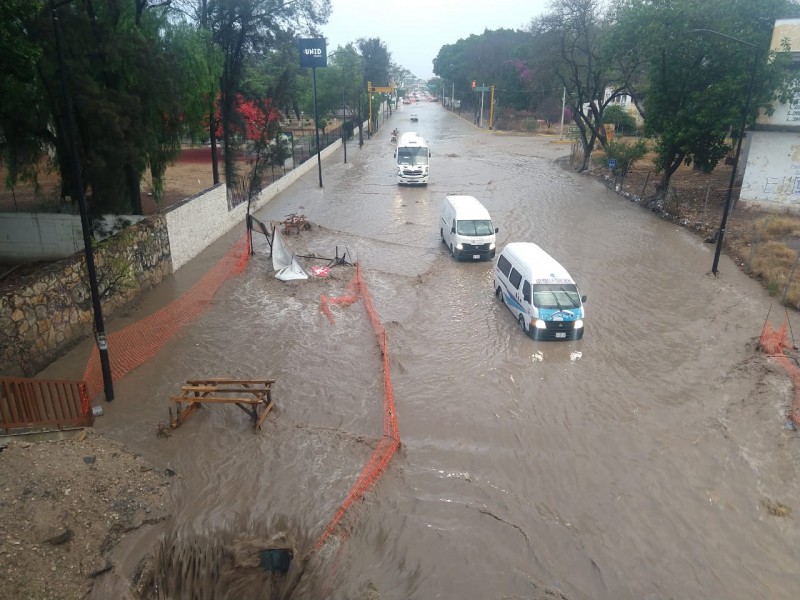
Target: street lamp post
x,y
69,128
743,125
344,120
316,121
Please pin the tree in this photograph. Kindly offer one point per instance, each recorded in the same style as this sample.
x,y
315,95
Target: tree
x,y
570,41
243,29
573,38
340,84
24,111
130,93
694,87
494,58
377,60
619,117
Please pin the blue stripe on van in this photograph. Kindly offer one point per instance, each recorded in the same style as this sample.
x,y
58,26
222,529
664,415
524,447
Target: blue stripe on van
x,y
511,301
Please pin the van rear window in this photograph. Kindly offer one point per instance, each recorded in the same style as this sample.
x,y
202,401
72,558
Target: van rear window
x,y
504,265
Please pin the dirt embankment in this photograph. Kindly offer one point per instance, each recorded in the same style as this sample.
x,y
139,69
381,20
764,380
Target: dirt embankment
x,y
64,505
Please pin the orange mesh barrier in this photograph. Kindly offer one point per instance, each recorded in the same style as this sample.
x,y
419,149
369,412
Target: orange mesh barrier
x,y
134,345
775,343
390,442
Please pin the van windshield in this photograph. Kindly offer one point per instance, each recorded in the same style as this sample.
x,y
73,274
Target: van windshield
x,y
474,228
414,157
556,295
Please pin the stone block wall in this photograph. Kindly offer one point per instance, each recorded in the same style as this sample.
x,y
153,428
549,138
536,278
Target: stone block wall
x,y
48,312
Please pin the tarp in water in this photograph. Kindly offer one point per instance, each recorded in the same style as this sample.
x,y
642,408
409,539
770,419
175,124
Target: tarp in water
x,y
284,261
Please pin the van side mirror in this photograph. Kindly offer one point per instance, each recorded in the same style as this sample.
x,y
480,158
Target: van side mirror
x,y
583,298
497,230
395,154
429,154
453,229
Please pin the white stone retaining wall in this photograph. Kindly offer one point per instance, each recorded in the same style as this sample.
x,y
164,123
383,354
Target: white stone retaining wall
x,y
197,222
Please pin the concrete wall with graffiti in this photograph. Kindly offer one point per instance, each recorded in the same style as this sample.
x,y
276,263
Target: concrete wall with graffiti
x,y
772,169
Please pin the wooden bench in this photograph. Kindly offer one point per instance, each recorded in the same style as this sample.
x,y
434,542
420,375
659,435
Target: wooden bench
x,y
253,396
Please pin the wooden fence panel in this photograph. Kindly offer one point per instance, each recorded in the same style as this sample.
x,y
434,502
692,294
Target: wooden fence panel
x,y
43,404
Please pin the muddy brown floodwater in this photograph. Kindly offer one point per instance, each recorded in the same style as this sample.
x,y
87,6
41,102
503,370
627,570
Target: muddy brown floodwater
x,y
635,463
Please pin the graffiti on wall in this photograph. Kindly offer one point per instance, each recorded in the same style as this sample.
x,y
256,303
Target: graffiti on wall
x,y
793,110
788,184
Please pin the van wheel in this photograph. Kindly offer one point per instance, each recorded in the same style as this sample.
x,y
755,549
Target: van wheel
x,y
522,325
499,294
453,252
441,233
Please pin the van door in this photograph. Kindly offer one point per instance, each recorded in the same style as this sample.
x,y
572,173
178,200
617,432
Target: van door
x,y
527,302
445,223
515,293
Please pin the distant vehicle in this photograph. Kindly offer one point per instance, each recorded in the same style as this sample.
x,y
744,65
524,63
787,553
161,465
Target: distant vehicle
x,y
412,154
406,101
414,117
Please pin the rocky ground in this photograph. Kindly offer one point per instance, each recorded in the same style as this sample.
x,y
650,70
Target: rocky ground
x,y
64,505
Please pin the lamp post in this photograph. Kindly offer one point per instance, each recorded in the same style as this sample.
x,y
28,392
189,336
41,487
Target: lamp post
x,y
69,129
344,111
745,111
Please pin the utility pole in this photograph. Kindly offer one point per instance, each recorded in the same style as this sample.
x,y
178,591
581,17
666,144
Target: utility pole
x,y
563,105
491,107
344,120
480,121
99,327
316,122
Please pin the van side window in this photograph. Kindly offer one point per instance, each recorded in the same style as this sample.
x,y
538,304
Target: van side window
x,y
526,291
504,265
515,278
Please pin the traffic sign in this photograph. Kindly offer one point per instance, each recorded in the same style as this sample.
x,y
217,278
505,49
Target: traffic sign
x,y
612,163
482,88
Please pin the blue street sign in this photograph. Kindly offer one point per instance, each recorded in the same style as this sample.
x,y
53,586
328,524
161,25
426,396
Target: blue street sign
x,y
312,52
612,163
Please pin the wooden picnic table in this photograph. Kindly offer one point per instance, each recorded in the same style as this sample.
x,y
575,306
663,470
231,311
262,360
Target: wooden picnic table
x,y
253,396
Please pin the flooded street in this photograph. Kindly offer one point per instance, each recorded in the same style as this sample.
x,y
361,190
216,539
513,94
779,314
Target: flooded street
x,y
631,464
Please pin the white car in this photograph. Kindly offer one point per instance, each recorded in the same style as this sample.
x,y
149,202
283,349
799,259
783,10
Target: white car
x,y
414,117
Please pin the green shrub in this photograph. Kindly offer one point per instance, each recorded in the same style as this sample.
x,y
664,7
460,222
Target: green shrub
x,y
625,153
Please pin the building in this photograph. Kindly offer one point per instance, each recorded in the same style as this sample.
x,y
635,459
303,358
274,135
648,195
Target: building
x,y
772,165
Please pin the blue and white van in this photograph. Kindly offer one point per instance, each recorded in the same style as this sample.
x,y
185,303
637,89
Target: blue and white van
x,y
539,292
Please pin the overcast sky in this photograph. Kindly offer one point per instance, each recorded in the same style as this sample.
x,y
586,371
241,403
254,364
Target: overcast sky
x,y
415,30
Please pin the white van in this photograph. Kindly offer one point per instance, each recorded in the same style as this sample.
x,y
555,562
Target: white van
x,y
412,154
539,293
466,228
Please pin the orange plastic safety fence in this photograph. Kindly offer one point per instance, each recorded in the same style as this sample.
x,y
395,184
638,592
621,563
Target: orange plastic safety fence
x,y
390,442
134,345
774,343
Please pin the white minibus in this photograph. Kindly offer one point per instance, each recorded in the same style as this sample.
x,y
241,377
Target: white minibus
x,y
539,292
466,228
412,154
